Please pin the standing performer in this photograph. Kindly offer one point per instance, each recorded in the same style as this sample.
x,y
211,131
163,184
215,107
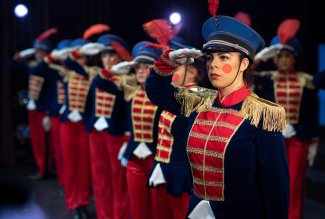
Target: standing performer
x,y
106,119
171,174
234,141
295,91
39,94
171,171
138,155
74,138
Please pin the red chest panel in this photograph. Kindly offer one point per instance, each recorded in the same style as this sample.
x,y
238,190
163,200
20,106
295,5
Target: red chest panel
x,y
78,90
288,92
104,103
60,90
35,84
143,117
165,138
206,147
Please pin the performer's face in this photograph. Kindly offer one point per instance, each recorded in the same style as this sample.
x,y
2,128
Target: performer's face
x,y
223,67
40,54
184,75
82,60
284,60
109,59
142,71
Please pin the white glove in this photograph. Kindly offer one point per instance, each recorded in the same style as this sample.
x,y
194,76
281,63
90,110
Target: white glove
x,y
123,67
124,162
312,152
289,131
91,49
27,53
46,122
122,150
268,52
184,56
61,54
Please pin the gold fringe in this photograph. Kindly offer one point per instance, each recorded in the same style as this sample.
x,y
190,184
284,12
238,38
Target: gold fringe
x,y
191,101
255,109
129,85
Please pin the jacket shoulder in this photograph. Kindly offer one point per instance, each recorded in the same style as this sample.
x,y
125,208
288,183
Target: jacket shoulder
x,y
272,116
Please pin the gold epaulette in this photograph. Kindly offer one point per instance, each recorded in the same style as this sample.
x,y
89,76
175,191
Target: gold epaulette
x,y
129,85
195,99
92,71
32,63
256,109
306,80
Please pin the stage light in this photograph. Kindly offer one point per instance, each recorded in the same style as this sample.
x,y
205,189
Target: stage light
x,y
175,18
21,10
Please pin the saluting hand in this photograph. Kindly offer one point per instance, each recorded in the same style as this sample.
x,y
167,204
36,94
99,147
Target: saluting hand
x,y
123,67
268,52
91,49
184,56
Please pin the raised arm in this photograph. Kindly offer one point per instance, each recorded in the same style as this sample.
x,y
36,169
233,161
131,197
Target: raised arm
x,y
71,63
158,84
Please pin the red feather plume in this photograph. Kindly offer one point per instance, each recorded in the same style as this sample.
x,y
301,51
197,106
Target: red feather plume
x,y
121,51
160,30
95,29
288,29
243,17
213,7
46,34
156,46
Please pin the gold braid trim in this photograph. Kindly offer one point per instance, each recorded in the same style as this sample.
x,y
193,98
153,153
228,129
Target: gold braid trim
x,y
255,109
169,62
161,73
129,85
199,100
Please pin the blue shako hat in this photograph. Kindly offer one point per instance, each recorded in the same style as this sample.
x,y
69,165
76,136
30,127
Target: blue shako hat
x,y
293,45
44,44
108,39
63,44
225,33
78,43
144,52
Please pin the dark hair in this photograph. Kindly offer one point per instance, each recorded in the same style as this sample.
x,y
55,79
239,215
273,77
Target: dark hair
x,y
248,75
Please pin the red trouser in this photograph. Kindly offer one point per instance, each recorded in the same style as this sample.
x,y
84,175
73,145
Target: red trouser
x,y
169,206
42,149
76,171
142,198
179,205
108,176
297,160
55,141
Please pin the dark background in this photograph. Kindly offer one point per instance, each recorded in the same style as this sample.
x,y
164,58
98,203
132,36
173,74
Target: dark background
x,y
125,17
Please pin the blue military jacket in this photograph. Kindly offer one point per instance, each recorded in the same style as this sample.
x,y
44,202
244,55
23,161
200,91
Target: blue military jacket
x,y
296,93
234,145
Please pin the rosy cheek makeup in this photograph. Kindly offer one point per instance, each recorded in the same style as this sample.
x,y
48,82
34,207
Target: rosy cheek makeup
x,y
175,77
227,68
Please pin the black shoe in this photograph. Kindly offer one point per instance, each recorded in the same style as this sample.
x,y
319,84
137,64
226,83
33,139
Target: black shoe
x,y
83,214
75,214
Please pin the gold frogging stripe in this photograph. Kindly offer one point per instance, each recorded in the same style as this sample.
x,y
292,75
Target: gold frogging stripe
x,y
106,110
219,124
205,152
211,138
206,168
142,97
206,183
165,115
